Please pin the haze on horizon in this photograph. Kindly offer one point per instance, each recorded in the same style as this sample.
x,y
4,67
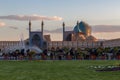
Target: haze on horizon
x,y
102,15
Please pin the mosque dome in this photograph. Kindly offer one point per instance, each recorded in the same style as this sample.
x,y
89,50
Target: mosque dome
x,y
83,27
77,29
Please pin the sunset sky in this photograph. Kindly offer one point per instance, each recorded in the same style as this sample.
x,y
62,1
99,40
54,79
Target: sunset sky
x,y
102,15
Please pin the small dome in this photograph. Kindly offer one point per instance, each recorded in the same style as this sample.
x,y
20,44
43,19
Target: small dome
x,y
79,37
91,38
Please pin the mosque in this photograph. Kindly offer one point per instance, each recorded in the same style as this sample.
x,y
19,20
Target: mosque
x,y
80,33
79,37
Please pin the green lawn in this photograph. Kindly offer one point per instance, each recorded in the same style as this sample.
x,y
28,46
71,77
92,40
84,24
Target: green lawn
x,y
55,70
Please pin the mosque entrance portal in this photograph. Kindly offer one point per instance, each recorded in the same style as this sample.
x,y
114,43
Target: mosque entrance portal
x,y
36,40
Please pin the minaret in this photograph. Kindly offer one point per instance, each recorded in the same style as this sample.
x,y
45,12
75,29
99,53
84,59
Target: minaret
x,y
63,29
77,32
29,33
78,24
29,26
42,24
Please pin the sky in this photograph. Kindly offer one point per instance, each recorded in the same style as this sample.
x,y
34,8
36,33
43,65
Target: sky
x,y
15,15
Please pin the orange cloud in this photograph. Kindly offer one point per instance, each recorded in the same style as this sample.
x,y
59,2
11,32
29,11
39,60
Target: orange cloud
x,y
30,17
2,24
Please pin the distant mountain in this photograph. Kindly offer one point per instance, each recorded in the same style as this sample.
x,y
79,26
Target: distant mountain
x,y
106,28
96,28
59,30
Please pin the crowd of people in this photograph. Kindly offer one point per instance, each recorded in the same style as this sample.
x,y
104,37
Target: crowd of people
x,y
64,54
14,55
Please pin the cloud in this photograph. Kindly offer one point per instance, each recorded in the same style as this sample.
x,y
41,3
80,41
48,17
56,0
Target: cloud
x,y
2,24
12,27
30,17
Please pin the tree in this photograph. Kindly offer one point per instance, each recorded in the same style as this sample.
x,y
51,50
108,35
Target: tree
x,y
79,53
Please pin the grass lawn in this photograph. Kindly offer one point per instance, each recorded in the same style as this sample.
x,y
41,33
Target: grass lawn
x,y
56,70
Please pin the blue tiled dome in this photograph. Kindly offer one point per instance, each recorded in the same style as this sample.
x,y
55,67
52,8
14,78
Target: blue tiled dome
x,y
82,27
76,29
